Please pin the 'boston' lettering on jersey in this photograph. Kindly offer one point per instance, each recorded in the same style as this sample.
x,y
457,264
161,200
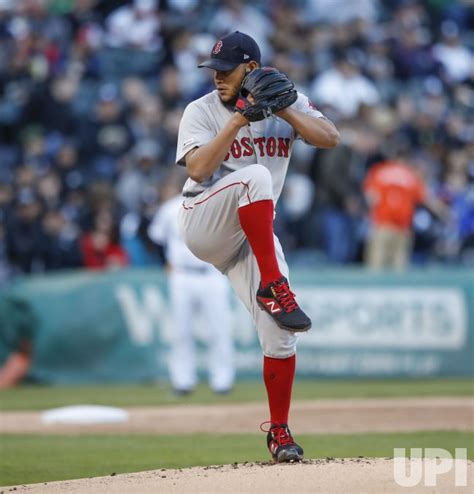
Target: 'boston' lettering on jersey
x,y
268,142
269,146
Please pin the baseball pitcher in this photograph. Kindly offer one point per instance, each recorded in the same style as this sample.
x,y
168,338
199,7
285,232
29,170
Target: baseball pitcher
x,y
236,145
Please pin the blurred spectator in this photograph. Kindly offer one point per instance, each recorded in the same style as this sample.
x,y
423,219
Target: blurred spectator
x,y
75,208
35,153
57,96
24,235
135,26
411,54
339,206
170,88
456,192
100,246
135,92
61,242
457,60
48,189
235,15
340,11
106,137
393,190
137,190
296,213
6,198
344,88
146,121
67,166
141,251
140,177
189,50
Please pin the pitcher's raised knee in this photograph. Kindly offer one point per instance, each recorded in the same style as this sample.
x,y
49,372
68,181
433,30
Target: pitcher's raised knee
x,y
260,175
259,185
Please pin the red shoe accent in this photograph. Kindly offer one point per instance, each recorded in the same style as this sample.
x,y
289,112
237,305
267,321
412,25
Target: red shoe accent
x,y
271,305
279,302
285,296
281,435
281,443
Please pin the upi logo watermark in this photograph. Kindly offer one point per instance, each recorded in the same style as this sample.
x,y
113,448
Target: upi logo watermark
x,y
427,466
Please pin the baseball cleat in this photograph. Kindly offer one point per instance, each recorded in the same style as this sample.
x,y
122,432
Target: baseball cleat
x,y
279,301
282,446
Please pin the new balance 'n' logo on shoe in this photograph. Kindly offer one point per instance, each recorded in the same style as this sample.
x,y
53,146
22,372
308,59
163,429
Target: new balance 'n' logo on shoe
x,y
279,301
281,444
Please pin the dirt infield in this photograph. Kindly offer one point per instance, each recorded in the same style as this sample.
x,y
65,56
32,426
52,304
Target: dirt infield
x,y
351,476
354,476
322,416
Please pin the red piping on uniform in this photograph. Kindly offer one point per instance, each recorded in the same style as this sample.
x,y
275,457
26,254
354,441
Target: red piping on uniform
x,y
219,190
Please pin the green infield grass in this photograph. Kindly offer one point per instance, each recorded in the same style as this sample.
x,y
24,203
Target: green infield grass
x,y
29,397
44,458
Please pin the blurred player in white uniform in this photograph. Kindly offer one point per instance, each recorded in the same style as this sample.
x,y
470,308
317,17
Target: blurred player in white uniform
x,y
193,285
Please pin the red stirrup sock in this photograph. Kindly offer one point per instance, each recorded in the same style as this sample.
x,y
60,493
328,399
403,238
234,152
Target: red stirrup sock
x,y
278,375
256,220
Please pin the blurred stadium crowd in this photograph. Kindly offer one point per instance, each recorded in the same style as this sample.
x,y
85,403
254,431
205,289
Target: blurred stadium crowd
x,y
91,94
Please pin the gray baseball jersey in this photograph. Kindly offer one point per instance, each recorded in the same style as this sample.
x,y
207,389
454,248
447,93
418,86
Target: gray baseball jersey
x,y
253,170
267,142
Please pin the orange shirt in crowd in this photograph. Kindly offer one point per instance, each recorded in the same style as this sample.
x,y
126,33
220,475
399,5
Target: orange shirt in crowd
x,y
393,189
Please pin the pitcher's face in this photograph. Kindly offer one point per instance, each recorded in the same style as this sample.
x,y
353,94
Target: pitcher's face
x,y
228,83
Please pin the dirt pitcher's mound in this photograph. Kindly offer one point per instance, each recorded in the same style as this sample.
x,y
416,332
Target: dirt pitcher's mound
x,y
352,476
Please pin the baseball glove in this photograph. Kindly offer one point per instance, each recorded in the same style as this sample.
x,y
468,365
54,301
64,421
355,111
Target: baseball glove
x,y
271,91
